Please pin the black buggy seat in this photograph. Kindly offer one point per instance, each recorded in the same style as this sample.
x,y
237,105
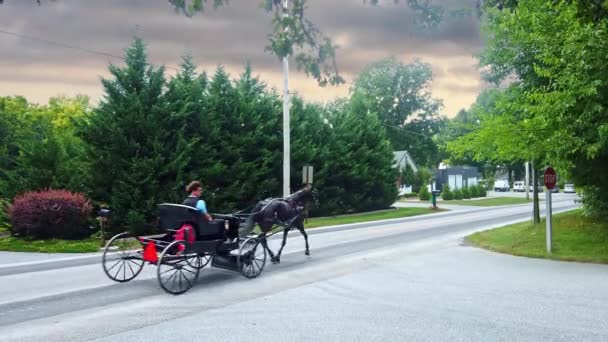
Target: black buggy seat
x,y
173,216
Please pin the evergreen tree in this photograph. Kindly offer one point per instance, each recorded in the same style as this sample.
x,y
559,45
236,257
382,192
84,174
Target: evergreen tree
x,y
187,97
222,117
258,173
361,172
135,151
311,137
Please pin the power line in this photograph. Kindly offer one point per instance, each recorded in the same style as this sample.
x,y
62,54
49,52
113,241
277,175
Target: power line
x,y
73,47
405,130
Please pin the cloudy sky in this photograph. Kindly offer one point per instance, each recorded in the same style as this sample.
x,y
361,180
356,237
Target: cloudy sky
x,y
229,36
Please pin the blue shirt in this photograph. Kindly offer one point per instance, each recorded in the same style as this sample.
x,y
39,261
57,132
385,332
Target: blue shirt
x,y
201,206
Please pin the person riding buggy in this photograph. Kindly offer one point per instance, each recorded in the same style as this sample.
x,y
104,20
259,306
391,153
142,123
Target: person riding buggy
x,y
195,188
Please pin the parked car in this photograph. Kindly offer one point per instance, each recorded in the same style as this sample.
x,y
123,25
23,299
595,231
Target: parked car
x,y
501,185
569,189
519,186
539,188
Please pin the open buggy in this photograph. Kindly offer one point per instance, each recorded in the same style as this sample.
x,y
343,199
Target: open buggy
x,y
188,244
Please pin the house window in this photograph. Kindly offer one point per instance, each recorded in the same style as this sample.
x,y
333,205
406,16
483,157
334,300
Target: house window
x,y
458,181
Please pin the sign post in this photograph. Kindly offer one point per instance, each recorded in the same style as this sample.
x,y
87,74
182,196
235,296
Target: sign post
x,y
549,178
306,179
527,164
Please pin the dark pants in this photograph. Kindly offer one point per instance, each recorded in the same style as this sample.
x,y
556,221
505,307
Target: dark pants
x,y
233,229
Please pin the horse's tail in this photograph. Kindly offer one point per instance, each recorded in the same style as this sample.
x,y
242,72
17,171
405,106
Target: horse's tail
x,y
247,228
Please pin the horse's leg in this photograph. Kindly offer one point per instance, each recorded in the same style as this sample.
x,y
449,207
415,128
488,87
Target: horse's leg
x,y
301,229
265,245
277,259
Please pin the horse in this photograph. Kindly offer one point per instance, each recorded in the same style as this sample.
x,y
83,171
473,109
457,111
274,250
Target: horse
x,y
286,212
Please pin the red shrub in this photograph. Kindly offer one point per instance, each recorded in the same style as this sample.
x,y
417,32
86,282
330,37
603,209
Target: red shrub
x,y
50,213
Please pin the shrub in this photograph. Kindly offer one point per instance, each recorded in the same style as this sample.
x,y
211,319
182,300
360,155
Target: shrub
x,y
465,193
458,194
474,191
447,194
410,195
425,195
50,214
482,190
3,212
421,179
594,204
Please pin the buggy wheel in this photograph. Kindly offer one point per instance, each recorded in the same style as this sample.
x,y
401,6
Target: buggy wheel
x,y
120,261
177,272
199,261
251,258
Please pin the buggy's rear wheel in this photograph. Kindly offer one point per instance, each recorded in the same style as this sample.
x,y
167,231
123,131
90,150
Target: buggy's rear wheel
x,y
251,258
176,271
120,261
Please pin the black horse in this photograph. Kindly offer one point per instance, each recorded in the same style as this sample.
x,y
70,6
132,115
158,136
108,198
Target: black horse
x,y
284,212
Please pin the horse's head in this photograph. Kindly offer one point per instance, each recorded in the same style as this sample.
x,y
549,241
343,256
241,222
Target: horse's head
x,y
306,194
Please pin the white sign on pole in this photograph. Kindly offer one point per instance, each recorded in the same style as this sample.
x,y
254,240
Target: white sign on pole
x,y
307,172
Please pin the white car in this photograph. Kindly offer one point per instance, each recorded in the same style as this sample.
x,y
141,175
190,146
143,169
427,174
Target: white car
x,y
519,186
501,185
569,189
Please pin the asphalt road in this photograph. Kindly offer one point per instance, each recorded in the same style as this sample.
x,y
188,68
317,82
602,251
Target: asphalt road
x,y
411,280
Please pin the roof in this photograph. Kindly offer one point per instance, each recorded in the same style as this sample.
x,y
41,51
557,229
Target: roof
x,y
401,158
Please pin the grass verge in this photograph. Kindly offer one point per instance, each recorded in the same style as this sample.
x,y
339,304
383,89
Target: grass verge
x,y
575,238
489,202
366,217
14,244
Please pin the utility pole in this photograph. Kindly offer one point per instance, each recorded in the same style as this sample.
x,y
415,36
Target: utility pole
x,y
286,105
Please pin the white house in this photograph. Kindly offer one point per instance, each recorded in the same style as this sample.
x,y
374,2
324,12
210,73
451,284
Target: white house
x,y
401,160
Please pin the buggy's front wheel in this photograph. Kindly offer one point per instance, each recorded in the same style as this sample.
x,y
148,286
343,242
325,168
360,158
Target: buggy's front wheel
x,y
176,271
251,257
199,261
121,261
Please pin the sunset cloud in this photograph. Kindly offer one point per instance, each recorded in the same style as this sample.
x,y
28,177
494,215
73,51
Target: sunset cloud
x,y
230,36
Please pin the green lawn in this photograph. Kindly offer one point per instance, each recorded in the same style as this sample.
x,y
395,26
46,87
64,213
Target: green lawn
x,y
365,217
10,243
575,238
489,202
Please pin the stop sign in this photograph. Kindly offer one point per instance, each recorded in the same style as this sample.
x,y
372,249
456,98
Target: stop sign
x,y
550,178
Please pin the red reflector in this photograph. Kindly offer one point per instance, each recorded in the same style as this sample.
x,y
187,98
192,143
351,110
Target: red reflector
x,y
150,252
